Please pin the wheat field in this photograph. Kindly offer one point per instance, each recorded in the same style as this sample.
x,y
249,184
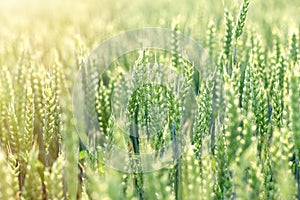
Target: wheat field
x,y
233,133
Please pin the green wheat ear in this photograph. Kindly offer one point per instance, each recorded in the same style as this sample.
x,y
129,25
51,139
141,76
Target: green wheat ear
x,y
53,179
102,106
9,185
241,19
176,51
28,136
7,97
294,50
211,40
51,119
14,131
225,62
228,35
222,188
232,119
240,26
33,183
295,119
285,184
202,118
19,92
